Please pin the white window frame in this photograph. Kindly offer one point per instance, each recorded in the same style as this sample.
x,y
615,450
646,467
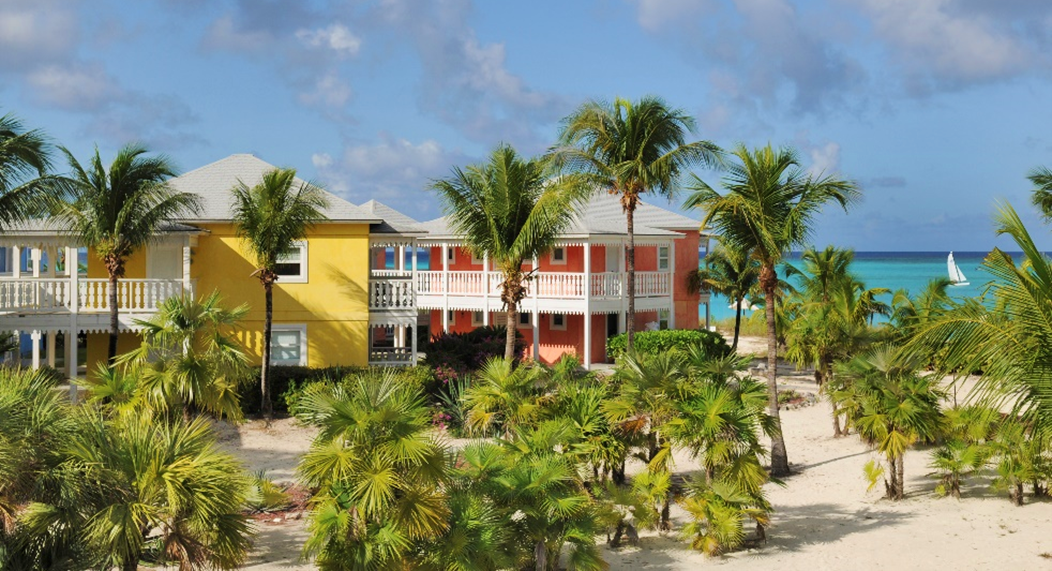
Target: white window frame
x,y
300,278
551,322
477,261
663,318
663,264
451,255
557,262
477,318
451,316
526,315
300,328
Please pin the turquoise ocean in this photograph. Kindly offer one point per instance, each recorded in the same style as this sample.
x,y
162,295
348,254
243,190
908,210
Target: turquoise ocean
x,y
896,270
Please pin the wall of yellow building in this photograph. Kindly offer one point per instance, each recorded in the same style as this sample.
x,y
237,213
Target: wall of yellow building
x,y
333,304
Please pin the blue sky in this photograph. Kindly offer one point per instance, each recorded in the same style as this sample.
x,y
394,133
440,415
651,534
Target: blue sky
x,y
938,108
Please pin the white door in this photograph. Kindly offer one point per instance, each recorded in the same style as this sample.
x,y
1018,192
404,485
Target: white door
x,y
164,261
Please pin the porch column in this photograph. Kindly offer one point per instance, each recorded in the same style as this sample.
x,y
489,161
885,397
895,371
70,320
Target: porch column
x,y
485,288
34,256
72,261
35,336
587,305
416,312
536,314
672,284
52,348
400,252
445,287
71,362
16,257
186,268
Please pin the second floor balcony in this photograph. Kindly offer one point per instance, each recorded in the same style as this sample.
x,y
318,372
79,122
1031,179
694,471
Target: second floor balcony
x,y
25,296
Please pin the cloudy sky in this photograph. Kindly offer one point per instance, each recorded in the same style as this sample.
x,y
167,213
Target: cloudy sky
x,y
938,108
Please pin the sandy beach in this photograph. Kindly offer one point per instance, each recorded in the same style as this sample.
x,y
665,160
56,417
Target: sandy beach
x,y
824,518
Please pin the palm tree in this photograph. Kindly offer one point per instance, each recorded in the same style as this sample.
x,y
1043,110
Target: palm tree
x,y
270,217
892,407
188,359
1041,177
730,273
631,149
769,207
120,210
504,396
24,166
1007,340
378,472
510,210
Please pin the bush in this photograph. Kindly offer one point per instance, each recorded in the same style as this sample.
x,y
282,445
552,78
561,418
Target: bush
x,y
285,379
418,378
452,355
654,342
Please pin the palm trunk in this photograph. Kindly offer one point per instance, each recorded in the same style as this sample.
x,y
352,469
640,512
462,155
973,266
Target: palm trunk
x,y
130,565
737,324
264,377
540,554
900,470
837,432
630,267
779,456
111,353
512,329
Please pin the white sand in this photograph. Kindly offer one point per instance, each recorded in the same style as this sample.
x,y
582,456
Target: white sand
x,y
824,517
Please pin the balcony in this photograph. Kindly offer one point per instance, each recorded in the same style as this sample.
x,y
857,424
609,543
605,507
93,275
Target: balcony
x,y
44,296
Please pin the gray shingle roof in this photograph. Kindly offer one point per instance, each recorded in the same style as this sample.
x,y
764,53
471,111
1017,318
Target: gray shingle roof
x,y
392,221
213,182
602,215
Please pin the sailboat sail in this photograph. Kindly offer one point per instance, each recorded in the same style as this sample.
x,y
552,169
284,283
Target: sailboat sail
x,y
956,275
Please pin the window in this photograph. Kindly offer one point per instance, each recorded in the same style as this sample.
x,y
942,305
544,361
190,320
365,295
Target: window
x,y
558,322
663,318
5,261
477,261
662,258
524,319
476,319
451,317
451,254
559,256
288,345
292,267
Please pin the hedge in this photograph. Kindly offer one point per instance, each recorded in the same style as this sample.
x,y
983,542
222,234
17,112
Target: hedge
x,y
653,342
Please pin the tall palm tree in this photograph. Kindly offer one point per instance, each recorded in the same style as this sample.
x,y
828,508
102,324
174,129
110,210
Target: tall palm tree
x,y
512,211
1041,177
730,273
631,149
269,218
24,166
770,206
120,210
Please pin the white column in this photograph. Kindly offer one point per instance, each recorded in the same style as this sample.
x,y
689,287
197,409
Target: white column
x,y
71,362
34,255
485,288
445,287
52,347
16,257
536,314
186,268
672,284
74,308
416,314
400,251
35,336
587,305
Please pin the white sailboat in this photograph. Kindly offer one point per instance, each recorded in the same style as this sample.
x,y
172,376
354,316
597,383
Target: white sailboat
x,y
956,275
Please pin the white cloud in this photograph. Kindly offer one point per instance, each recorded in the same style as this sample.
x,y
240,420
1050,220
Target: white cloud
x,y
394,171
74,87
825,159
657,15
36,31
225,34
329,91
335,37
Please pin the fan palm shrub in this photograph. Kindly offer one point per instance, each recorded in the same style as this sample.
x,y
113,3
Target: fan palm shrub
x,y
512,210
378,473
26,184
769,206
118,210
270,218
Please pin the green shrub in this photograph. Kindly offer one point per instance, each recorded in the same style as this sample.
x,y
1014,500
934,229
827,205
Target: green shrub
x,y
452,355
285,379
419,378
654,342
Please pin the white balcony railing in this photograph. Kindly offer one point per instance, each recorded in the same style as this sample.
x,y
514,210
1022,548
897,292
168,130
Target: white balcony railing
x,y
391,293
51,295
546,285
393,356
